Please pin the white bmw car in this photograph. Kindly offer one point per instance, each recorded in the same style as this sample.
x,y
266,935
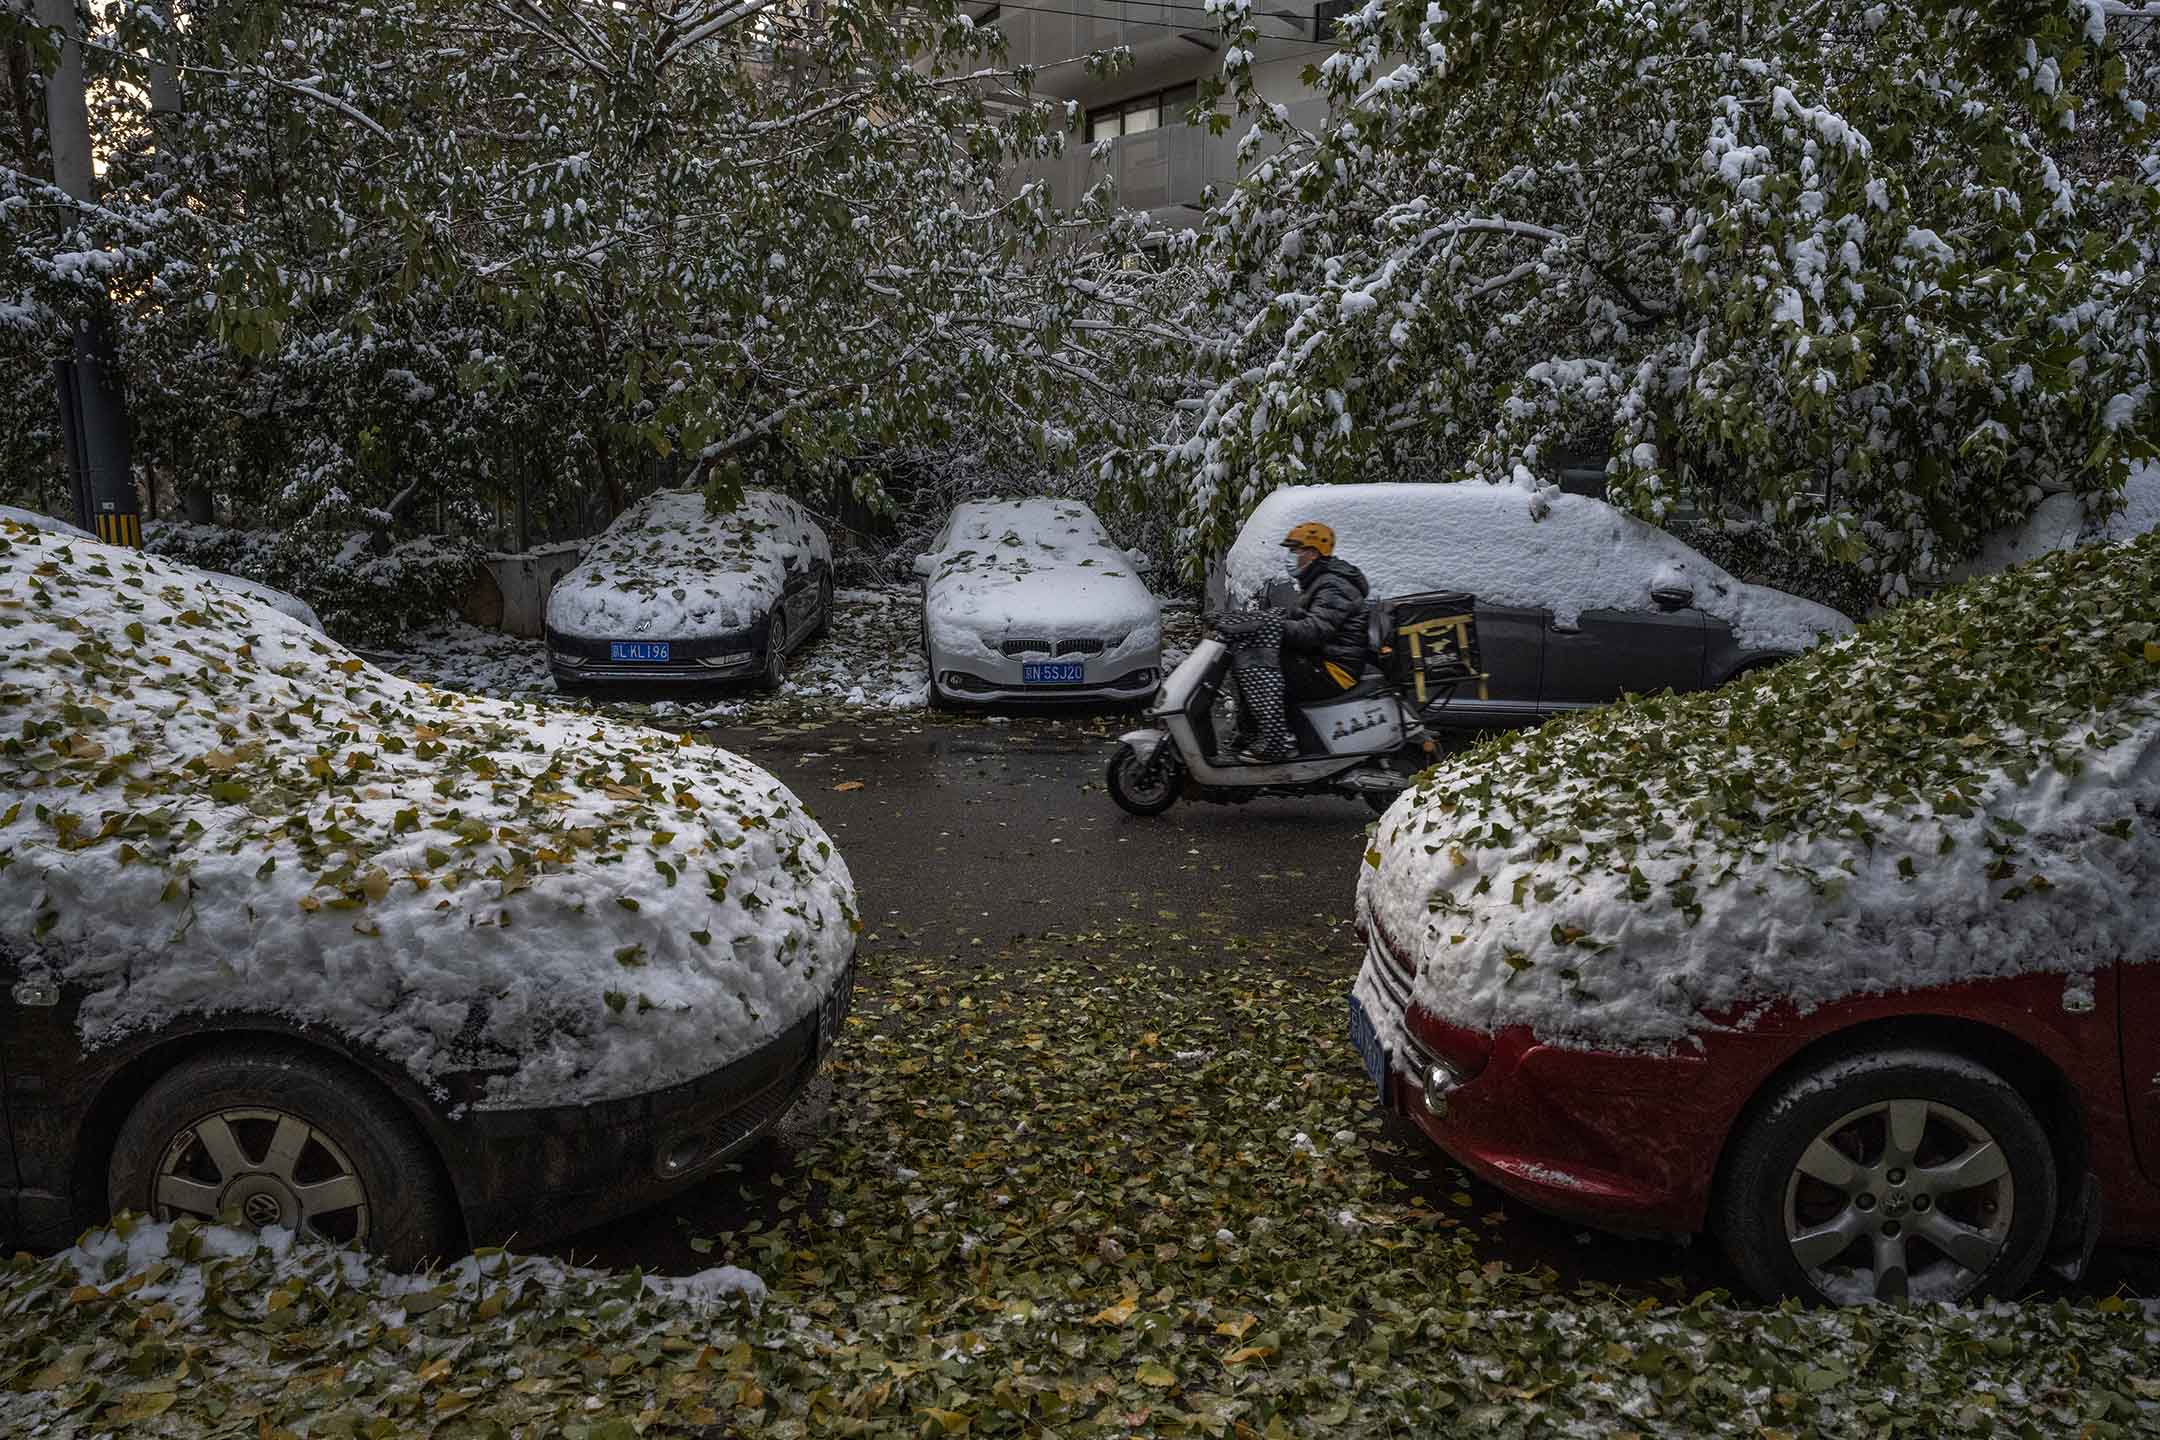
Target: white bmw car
x,y
1028,600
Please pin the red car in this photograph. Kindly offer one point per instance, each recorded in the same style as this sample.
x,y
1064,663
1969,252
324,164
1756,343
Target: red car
x,y
1852,965
1946,1097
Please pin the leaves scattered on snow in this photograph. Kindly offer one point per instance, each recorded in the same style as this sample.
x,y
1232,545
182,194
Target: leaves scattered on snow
x,y
218,809
668,569
1967,788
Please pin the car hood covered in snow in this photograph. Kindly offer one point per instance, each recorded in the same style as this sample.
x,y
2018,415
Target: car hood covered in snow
x,y
211,808
1036,567
1965,790
667,570
270,595
1515,548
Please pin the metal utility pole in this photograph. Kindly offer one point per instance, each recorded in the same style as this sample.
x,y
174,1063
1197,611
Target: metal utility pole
x,y
93,412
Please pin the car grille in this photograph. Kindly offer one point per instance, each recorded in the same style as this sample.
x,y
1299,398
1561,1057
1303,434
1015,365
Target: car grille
x,y
758,1112
1015,645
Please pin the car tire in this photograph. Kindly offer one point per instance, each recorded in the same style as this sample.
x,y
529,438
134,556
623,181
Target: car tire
x,y
1143,790
937,699
774,673
1967,1212
288,1127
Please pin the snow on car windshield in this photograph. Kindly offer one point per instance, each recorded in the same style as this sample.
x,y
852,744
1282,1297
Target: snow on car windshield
x,y
1041,565
668,570
1511,547
1964,790
216,809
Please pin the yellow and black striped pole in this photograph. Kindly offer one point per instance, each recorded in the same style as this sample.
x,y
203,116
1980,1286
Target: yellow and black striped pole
x,y
121,529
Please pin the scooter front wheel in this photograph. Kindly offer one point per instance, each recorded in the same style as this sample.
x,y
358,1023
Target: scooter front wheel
x,y
1144,786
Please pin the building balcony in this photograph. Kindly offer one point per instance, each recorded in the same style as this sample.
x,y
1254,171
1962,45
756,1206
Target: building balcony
x,y
1164,170
1162,37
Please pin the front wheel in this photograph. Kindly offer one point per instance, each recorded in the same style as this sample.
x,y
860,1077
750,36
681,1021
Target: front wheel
x,y
1144,787
1906,1173
774,675
276,1137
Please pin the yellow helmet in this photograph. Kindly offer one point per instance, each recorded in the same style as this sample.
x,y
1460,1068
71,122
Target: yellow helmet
x,y
1310,534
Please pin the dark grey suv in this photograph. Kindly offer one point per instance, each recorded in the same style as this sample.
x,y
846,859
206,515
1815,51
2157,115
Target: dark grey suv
x,y
1577,603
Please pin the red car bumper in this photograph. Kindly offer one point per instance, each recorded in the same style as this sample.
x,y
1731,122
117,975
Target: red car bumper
x,y
1621,1141
1632,1142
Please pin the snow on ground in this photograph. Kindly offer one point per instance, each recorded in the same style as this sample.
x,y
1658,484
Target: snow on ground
x,y
1039,568
871,659
219,808
1965,790
168,1260
870,662
2141,504
666,569
1515,548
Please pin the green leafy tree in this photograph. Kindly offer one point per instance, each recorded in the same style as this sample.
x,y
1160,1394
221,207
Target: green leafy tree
x,y
403,262
1881,275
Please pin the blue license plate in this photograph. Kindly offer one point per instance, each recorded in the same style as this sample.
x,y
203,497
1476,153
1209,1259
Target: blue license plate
x,y
1366,1040
637,650
1048,672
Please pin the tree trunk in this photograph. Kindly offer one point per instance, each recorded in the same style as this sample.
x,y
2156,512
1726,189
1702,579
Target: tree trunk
x,y
18,70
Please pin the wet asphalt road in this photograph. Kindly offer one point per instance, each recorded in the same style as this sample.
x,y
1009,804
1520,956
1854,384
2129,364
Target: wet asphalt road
x,y
985,832
968,835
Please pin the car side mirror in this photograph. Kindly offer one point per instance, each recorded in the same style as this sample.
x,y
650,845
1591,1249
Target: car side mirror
x,y
922,566
1673,597
1139,559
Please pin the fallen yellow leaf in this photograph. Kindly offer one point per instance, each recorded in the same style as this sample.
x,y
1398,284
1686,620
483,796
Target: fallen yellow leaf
x,y
1116,1314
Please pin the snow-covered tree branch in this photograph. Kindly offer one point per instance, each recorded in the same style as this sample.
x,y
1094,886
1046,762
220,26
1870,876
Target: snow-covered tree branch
x,y
1883,276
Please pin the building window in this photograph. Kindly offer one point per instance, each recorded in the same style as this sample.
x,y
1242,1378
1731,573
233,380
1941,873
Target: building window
x,y
1143,113
1327,13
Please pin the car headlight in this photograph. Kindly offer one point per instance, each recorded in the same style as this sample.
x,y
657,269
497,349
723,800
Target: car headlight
x,y
1441,1081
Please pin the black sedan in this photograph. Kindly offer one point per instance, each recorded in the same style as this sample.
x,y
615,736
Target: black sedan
x,y
674,594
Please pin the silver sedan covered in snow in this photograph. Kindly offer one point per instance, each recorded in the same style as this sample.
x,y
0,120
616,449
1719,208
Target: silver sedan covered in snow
x,y
1029,600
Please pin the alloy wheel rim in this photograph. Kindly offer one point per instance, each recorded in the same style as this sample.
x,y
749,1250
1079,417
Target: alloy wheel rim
x,y
1901,1199
776,645
258,1167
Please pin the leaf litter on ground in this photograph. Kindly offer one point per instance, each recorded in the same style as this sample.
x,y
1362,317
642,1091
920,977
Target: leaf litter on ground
x,y
1093,1183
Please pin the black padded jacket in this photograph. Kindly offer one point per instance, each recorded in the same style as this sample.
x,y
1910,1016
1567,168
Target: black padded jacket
x,y
1328,616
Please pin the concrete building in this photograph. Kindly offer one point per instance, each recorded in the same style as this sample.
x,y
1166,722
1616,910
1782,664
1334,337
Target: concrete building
x,y
1162,161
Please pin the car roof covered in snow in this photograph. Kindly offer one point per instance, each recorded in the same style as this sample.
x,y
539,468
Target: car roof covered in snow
x,y
1041,565
37,520
668,569
270,595
1515,548
1964,790
216,809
